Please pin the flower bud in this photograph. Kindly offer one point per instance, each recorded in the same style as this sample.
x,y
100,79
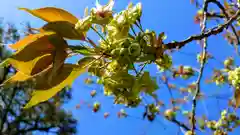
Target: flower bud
x,y
169,114
102,14
83,24
134,49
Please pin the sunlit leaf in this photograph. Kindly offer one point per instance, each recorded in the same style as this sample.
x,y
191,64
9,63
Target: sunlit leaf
x,y
39,54
44,91
30,66
52,14
18,77
30,39
34,57
65,77
64,29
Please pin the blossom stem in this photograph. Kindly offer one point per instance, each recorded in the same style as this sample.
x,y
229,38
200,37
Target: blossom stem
x,y
99,35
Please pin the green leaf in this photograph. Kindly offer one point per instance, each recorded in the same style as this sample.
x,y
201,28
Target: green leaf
x,y
87,60
148,83
149,57
82,50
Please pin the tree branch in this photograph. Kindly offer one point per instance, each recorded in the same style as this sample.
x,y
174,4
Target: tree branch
x,y
44,129
213,31
181,124
6,71
197,91
215,15
225,13
8,108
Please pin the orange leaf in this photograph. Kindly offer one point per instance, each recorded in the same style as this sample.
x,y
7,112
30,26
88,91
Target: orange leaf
x,y
65,77
38,55
30,39
18,77
52,14
64,29
30,67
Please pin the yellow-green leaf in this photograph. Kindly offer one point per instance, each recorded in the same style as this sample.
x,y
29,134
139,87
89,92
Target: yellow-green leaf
x,y
30,67
52,14
64,78
18,77
26,59
148,83
30,39
64,29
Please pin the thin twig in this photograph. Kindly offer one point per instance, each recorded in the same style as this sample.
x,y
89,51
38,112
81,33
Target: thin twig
x,y
135,70
139,26
133,30
169,90
181,124
99,35
213,31
141,69
225,13
198,82
215,15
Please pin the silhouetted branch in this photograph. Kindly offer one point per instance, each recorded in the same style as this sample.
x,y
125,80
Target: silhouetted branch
x,y
181,124
213,31
35,128
225,13
8,108
215,15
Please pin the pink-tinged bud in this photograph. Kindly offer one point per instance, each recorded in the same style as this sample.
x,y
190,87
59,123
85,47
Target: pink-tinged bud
x,y
106,114
93,93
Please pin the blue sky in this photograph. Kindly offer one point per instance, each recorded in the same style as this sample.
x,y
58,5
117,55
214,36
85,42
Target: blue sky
x,y
173,17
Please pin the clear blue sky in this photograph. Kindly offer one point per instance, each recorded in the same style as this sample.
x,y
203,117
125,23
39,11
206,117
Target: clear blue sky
x,y
175,18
